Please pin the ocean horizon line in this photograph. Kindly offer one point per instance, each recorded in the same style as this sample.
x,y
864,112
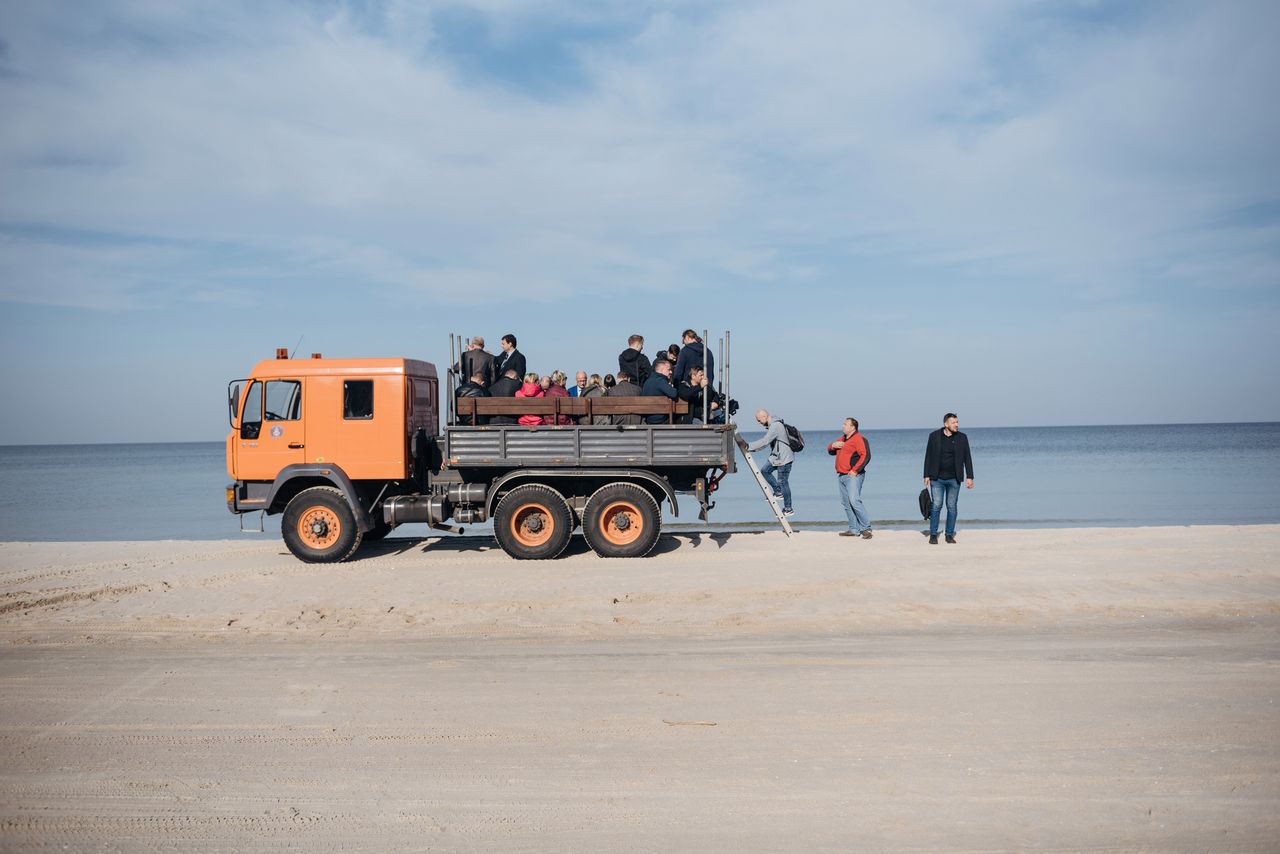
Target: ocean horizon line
x,y
741,423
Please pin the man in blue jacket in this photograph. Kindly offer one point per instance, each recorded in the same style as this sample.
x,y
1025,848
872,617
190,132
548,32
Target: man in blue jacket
x,y
659,385
691,354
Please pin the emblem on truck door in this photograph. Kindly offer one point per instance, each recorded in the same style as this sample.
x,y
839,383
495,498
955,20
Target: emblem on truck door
x,y
277,431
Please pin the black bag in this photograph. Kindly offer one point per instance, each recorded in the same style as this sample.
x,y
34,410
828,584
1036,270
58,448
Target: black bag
x,y
794,437
926,503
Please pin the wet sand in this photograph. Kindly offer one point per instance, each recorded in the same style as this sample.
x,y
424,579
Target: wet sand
x,y
1107,689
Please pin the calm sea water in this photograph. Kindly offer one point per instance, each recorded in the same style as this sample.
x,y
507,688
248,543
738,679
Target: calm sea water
x,y
1195,474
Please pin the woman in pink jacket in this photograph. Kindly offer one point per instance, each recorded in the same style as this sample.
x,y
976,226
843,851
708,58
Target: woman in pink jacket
x,y
529,389
557,389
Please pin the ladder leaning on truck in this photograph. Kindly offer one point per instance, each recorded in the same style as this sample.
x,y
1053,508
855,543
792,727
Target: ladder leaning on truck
x,y
349,449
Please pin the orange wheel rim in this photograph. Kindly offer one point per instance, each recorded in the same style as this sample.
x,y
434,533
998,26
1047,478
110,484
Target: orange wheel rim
x,y
532,525
319,527
621,523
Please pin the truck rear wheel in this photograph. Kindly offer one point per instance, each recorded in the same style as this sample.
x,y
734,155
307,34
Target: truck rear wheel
x,y
533,522
319,527
621,520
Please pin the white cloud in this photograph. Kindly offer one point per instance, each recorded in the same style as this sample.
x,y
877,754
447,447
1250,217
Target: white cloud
x,y
752,142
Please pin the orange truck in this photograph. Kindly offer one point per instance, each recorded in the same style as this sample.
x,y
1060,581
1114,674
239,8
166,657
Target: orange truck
x,y
349,449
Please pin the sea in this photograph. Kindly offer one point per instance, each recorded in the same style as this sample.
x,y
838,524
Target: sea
x,y
1109,476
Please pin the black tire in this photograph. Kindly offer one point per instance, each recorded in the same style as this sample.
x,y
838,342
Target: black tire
x,y
533,522
622,520
319,527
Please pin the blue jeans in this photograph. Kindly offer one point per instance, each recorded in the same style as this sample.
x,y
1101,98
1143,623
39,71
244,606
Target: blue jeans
x,y
851,485
782,484
952,490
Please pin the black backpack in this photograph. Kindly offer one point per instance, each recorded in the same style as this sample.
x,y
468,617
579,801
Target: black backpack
x,y
794,437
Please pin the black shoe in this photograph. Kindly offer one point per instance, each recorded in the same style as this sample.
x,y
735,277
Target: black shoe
x,y
933,539
950,539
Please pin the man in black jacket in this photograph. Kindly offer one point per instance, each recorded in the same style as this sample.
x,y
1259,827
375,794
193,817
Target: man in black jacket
x,y
505,386
947,461
474,387
510,359
476,360
633,362
692,390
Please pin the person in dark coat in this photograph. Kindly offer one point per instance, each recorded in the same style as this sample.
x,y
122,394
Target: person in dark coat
x,y
474,387
691,354
505,386
693,389
633,362
476,360
510,359
659,385
624,388
947,461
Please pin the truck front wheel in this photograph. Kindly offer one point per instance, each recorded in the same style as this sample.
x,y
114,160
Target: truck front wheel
x,y
621,520
319,527
533,522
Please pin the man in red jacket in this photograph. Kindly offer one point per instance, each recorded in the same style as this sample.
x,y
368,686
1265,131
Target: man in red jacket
x,y
852,454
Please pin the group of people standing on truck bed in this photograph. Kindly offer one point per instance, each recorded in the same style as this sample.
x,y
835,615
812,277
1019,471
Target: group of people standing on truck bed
x,y
676,373
948,462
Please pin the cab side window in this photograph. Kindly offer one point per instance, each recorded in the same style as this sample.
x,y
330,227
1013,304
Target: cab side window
x,y
251,420
284,400
357,400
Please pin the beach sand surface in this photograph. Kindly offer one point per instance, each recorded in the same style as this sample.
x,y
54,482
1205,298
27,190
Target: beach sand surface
x,y
1067,689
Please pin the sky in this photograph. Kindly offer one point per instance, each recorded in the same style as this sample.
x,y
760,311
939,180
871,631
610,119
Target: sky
x,y
1029,213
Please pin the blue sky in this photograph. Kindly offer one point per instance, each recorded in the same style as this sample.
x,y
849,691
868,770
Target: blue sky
x,y
1029,213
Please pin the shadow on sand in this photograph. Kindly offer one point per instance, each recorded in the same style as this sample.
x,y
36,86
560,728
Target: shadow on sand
x,y
667,544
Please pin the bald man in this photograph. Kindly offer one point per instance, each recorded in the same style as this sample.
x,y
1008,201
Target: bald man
x,y
780,458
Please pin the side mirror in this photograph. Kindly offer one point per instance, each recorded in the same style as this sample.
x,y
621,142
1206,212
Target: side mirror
x,y
234,389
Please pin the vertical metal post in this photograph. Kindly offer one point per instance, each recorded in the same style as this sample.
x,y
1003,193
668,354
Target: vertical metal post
x,y
720,357
452,412
728,387
706,400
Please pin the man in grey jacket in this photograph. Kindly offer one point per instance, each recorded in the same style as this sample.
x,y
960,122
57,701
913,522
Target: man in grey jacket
x,y
780,458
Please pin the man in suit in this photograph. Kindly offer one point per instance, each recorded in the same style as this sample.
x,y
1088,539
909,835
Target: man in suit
x,y
510,359
580,384
947,461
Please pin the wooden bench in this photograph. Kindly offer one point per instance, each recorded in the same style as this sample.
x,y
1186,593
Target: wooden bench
x,y
585,408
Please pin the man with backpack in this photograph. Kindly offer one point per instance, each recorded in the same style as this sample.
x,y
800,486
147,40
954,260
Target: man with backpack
x,y
852,454
781,456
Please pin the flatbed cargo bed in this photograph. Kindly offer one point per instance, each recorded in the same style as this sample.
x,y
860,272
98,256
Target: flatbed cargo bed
x,y
650,446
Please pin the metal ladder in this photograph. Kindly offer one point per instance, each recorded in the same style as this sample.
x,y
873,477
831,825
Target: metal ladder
x,y
765,489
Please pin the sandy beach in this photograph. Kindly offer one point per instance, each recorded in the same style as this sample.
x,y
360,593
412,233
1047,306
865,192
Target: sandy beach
x,y
1068,689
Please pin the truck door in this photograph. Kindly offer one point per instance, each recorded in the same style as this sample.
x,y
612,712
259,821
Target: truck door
x,y
272,429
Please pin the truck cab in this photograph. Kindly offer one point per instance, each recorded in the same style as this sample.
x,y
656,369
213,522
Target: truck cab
x,y
336,424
